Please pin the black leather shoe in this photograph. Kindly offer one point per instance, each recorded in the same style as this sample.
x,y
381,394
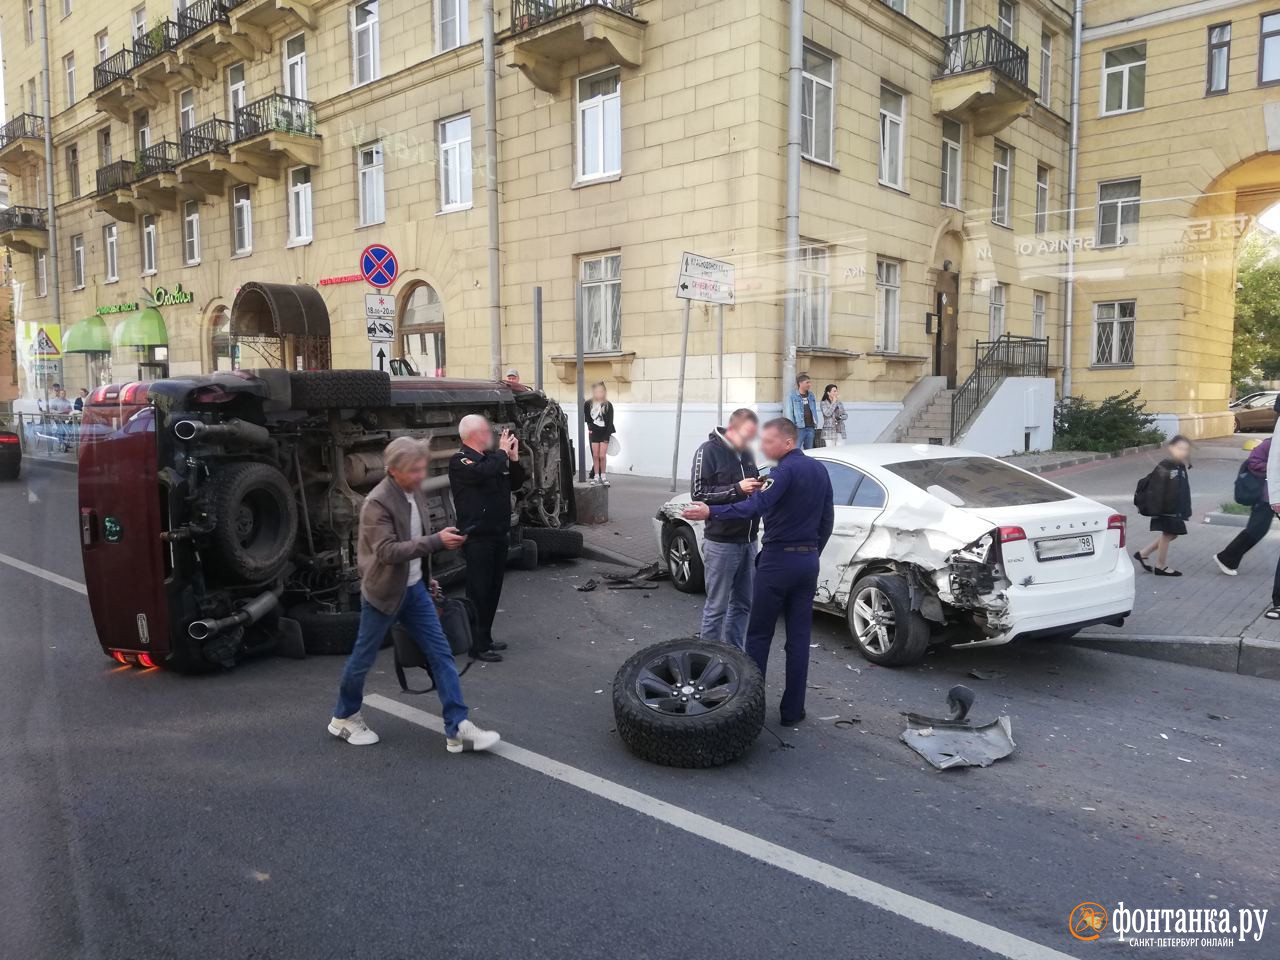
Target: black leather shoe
x,y
497,645
793,721
488,656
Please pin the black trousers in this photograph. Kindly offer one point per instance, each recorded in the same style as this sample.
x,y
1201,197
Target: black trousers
x,y
486,559
1260,518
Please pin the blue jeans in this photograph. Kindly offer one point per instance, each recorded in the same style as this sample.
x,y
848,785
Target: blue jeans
x,y
785,584
418,614
729,569
806,437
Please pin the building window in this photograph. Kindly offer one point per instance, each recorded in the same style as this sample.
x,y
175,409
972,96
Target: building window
x,y
815,299
1007,19
453,23
42,274
364,42
110,253
892,126
191,232
1046,68
1124,78
888,304
31,95
952,134
148,244
104,146
455,163
599,125
1039,314
241,221
954,17
995,310
295,66
370,182
602,303
77,261
1118,203
236,91
186,109
73,169
138,17
1001,183
1218,62
1269,49
66,8
69,71
299,205
29,22
142,129
103,45
818,106
1042,199
1113,332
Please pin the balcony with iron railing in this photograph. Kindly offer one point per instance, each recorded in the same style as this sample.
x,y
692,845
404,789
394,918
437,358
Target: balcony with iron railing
x,y
993,362
546,35
21,143
274,130
211,136
24,229
114,194
267,14
200,14
204,164
982,80
113,68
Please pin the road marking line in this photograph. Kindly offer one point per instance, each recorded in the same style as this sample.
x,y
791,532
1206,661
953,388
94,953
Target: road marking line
x,y
44,574
922,912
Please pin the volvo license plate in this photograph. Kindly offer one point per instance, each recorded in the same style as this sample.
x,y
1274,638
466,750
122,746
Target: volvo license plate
x,y
1062,548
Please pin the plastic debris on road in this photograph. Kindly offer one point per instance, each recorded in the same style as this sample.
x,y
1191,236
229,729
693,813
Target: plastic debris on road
x,y
955,741
588,586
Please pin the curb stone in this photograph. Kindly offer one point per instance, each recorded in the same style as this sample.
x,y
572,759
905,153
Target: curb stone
x,y
1245,656
1085,458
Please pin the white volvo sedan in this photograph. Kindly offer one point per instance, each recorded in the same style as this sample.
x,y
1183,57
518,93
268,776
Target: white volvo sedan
x,y
934,545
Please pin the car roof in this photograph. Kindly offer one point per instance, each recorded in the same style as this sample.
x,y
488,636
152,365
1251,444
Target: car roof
x,y
881,454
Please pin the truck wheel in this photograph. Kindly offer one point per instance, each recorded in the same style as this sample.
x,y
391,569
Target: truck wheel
x,y
689,703
684,562
884,626
343,389
256,520
527,559
557,544
327,632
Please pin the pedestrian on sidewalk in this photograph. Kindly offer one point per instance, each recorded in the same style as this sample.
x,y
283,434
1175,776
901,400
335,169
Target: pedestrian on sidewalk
x,y
1261,512
833,417
1167,501
802,410
598,412
724,471
392,541
795,502
1272,495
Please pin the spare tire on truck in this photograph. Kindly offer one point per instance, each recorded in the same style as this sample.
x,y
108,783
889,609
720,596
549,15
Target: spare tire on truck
x,y
339,389
328,631
689,703
555,544
255,520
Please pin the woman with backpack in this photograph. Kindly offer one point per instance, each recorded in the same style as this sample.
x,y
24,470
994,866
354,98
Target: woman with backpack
x,y
1251,491
1164,495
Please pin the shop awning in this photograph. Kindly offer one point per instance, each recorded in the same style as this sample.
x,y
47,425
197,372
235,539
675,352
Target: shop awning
x,y
279,310
142,329
90,335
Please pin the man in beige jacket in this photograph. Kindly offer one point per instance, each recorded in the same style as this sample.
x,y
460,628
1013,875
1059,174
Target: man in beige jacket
x,y
393,540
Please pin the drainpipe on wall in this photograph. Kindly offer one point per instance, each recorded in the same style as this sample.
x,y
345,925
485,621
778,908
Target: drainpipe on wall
x,y
491,191
792,224
1069,301
51,258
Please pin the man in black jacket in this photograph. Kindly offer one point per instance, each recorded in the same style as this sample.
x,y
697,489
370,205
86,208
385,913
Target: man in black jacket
x,y
725,472
482,480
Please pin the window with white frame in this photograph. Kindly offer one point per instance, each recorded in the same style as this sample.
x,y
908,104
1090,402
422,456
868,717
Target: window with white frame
x,y
110,253
66,8
370,184
899,5
42,274
1001,183
1042,199
601,282
1124,78
1046,68
600,125
817,106
241,220
1007,19
455,163
1218,62
1113,322
148,244
1269,49
299,205
102,43
1039,314
69,71
893,107
953,17
813,322
451,25
104,146
888,304
73,169
995,309
77,261
138,19
186,109
1118,205
31,95
237,94
29,22
191,232
952,143
364,42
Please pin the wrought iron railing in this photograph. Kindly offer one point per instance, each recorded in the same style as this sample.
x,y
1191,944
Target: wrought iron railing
x,y
159,39
115,67
993,361
527,14
161,157
26,125
211,136
199,14
276,113
983,48
22,218
117,174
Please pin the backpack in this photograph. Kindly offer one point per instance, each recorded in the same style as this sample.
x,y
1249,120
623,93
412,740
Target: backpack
x,y
1250,488
1142,496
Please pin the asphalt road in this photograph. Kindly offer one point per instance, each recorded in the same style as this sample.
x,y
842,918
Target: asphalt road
x,y
146,815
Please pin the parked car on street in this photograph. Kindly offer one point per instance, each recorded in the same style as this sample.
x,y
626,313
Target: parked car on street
x,y
10,455
939,546
1256,412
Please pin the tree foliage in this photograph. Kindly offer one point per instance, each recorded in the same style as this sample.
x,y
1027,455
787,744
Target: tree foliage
x,y
1117,422
1255,352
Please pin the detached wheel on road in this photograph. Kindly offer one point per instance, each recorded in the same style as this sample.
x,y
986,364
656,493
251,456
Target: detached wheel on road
x,y
689,703
255,517
527,558
339,389
555,544
886,629
684,561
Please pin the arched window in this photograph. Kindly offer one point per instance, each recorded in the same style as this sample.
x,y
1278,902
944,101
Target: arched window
x,y
221,348
421,333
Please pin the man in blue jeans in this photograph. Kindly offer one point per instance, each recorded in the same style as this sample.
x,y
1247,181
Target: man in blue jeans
x,y
393,540
803,410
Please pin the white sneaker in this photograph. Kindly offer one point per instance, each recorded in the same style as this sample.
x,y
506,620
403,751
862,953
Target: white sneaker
x,y
605,480
353,730
480,739
1224,568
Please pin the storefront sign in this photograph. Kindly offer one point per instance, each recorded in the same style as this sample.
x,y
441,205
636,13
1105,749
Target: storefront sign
x,y
117,308
160,297
345,278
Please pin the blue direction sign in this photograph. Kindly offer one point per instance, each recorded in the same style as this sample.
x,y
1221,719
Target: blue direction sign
x,y
378,266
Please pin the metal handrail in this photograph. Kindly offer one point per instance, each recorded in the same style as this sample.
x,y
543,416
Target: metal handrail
x,y
159,39
24,125
113,68
209,136
276,113
117,175
199,14
160,157
527,14
993,361
983,48
23,218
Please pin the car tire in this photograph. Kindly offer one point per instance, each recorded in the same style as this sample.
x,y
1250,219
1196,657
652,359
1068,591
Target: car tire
x,y
674,732
527,558
339,389
880,607
684,561
327,632
255,520
555,544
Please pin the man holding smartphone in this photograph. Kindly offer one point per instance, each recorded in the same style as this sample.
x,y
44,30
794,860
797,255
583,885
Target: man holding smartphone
x,y
481,479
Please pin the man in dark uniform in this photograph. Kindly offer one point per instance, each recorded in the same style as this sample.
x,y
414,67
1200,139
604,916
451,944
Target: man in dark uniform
x,y
482,479
795,502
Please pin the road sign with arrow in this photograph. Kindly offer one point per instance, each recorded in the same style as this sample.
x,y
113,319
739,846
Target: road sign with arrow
x,y
380,356
706,280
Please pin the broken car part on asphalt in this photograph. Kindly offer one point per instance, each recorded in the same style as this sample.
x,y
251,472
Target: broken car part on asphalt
x,y
954,741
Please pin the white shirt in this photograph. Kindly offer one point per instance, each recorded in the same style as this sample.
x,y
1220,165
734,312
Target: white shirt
x,y
415,530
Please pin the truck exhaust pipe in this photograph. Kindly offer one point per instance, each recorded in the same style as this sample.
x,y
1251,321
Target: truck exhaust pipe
x,y
238,431
250,612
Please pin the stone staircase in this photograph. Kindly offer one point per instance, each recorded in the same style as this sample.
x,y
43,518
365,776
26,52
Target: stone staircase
x,y
934,423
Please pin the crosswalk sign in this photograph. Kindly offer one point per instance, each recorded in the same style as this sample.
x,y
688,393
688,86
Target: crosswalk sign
x,y
47,344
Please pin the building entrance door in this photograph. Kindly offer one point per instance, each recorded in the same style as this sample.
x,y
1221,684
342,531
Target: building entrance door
x,y
946,337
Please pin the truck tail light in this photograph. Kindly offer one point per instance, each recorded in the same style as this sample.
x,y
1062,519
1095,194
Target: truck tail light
x,y
144,659
119,657
1011,534
1117,522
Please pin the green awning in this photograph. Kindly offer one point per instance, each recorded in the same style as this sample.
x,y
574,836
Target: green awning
x,y
142,329
90,335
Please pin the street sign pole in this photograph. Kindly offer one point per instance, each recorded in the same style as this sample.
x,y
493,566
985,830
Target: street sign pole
x,y
720,367
684,353
537,338
582,400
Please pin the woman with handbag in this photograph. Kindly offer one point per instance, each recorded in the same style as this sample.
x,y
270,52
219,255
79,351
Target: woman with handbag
x,y
393,540
598,412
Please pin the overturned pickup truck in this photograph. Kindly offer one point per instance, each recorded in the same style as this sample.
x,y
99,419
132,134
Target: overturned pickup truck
x,y
218,513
